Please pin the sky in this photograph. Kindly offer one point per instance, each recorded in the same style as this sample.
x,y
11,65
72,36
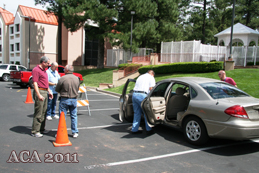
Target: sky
x,y
12,5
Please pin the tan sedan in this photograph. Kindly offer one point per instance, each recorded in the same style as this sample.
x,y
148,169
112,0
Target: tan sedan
x,y
201,107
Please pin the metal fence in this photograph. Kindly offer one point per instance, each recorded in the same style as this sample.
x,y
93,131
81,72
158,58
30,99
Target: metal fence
x,y
116,57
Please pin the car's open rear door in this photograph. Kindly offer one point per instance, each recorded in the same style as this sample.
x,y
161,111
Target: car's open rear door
x,y
154,109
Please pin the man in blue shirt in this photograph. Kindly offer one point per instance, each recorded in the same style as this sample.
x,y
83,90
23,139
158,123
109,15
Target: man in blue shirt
x,y
53,78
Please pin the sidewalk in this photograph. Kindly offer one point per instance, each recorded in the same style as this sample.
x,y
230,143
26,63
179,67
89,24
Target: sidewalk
x,y
103,91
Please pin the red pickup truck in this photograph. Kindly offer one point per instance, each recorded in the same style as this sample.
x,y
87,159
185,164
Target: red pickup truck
x,y
24,78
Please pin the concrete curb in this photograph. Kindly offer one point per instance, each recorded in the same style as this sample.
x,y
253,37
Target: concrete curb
x,y
103,91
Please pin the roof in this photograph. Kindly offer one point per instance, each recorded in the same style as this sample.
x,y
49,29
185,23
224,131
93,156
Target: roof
x,y
238,29
38,15
7,16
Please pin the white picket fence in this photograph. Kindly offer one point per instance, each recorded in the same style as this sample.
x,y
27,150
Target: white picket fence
x,y
194,51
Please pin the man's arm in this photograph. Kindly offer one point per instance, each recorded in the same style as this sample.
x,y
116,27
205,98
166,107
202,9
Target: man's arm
x,y
58,86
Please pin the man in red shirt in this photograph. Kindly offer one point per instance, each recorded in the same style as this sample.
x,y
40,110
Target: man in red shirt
x,y
40,94
222,76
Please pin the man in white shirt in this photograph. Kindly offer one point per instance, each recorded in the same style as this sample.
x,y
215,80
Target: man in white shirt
x,y
143,85
53,78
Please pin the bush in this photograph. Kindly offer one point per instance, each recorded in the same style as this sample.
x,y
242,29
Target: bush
x,y
123,66
252,63
183,67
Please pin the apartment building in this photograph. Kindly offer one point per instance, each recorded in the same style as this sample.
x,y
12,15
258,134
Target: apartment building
x,y
6,18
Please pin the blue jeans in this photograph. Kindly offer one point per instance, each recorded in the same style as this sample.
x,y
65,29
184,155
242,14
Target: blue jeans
x,y
137,98
52,105
71,105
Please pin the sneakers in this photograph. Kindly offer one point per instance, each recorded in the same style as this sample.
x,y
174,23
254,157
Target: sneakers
x,y
75,135
37,135
56,117
49,118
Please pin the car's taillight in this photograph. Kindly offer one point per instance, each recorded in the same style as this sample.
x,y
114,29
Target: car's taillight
x,y
21,74
237,111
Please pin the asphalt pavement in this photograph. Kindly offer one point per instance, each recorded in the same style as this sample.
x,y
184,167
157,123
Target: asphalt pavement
x,y
105,144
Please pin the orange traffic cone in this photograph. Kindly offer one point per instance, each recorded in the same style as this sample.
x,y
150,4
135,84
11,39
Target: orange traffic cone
x,y
62,136
29,97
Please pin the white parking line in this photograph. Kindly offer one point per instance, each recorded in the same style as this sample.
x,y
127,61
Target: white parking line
x,y
98,127
101,109
164,156
104,100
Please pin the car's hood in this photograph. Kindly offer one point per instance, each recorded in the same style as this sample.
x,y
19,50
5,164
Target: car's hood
x,y
244,101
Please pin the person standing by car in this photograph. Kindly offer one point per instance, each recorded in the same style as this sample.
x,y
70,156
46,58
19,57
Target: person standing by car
x,y
40,94
53,78
68,87
143,85
223,77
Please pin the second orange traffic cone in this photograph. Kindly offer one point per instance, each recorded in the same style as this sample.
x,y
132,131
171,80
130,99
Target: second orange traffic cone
x,y
29,97
62,136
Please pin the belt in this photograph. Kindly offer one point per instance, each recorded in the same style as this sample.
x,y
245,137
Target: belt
x,y
44,89
140,92
69,97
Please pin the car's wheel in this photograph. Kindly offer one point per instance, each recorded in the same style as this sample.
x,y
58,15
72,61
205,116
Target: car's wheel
x,y
195,131
31,83
6,77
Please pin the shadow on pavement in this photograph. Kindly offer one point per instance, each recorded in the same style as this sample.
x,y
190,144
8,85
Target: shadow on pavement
x,y
21,129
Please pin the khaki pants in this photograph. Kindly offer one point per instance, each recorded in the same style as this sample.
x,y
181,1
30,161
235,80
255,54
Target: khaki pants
x,y
40,109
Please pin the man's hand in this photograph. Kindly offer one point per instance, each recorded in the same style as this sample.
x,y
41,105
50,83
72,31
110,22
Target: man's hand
x,y
50,95
41,98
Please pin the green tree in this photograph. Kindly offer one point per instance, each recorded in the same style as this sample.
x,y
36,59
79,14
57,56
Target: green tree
x,y
247,12
154,21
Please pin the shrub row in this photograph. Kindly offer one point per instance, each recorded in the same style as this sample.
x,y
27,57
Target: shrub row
x,y
252,63
123,66
183,67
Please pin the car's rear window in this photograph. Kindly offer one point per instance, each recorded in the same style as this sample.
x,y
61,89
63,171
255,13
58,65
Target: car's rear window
x,y
3,67
222,90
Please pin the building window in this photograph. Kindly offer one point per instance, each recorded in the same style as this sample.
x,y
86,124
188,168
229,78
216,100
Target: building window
x,y
17,46
0,31
0,48
12,48
17,27
11,30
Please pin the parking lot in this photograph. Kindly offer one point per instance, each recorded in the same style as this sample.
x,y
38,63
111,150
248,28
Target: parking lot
x,y
105,144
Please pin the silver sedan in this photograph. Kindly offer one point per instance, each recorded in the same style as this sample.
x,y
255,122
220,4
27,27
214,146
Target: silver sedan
x,y
201,107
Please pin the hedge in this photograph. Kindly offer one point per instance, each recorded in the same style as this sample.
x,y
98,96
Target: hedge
x,y
252,63
123,66
183,67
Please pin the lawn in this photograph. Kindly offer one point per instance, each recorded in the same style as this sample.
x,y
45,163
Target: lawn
x,y
93,77
246,79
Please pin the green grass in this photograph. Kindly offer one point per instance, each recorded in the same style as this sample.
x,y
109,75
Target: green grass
x,y
246,79
93,77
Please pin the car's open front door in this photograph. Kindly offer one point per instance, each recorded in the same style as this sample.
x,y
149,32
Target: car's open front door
x,y
154,109
126,106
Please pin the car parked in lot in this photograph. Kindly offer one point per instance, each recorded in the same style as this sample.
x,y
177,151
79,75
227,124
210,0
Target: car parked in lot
x,y
200,107
5,70
24,78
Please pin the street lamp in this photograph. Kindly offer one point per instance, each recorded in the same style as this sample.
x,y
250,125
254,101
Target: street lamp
x,y
132,13
232,23
28,17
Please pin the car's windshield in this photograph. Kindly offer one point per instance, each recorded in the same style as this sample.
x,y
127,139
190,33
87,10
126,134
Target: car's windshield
x,y
3,67
222,90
